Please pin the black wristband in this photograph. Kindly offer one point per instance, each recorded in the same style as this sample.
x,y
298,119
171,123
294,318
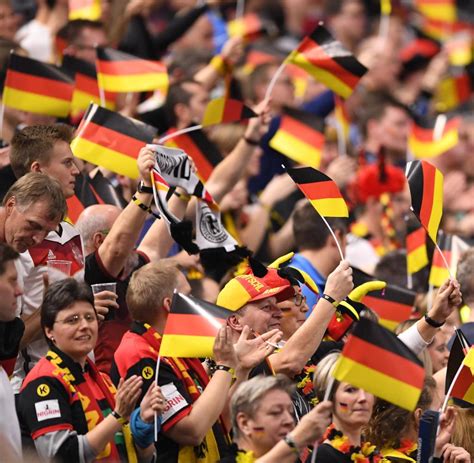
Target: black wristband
x,y
251,142
434,323
142,188
118,417
329,299
224,368
291,443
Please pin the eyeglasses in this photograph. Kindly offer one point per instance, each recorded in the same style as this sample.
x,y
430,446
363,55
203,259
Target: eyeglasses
x,y
299,299
74,320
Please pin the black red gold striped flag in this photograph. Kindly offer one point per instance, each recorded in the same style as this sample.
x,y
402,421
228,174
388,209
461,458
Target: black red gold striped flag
x,y
37,87
431,137
453,91
417,254
121,72
441,10
438,272
85,9
202,151
342,117
110,140
322,192
86,88
300,137
191,327
328,62
393,304
426,190
225,110
250,27
375,360
461,354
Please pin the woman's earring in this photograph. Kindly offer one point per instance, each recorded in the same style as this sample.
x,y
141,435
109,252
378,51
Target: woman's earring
x,y
52,338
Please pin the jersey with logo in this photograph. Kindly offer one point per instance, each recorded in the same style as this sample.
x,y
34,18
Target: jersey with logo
x,y
63,244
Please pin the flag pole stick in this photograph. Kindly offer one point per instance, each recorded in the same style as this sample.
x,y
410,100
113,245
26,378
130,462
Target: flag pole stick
x,y
155,415
429,298
274,80
409,280
179,132
102,96
450,390
2,115
341,140
384,26
334,236
240,9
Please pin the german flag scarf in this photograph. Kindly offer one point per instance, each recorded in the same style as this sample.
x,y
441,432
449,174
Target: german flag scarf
x,y
67,371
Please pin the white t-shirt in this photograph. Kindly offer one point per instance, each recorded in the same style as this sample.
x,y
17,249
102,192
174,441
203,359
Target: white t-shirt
x,y
37,40
66,245
10,436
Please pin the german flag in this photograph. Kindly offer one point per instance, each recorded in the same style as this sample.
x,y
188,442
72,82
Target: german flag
x,y
260,54
225,110
191,327
461,357
85,9
121,72
300,80
459,49
202,151
439,273
417,255
322,192
250,27
300,137
37,87
454,90
434,136
393,304
110,140
426,190
342,117
86,88
375,360
328,61
441,29
441,10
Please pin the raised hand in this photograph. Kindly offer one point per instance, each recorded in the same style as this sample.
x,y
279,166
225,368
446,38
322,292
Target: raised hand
x,y
448,299
339,283
103,302
128,392
313,425
224,353
145,162
153,401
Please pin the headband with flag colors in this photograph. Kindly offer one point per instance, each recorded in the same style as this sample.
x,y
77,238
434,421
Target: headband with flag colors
x,y
375,360
417,255
426,190
110,140
191,327
322,192
86,88
202,151
121,72
393,304
300,137
225,110
432,137
37,87
328,62
85,9
461,359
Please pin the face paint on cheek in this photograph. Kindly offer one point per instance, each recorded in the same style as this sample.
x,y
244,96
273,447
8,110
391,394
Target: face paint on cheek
x,y
344,407
258,431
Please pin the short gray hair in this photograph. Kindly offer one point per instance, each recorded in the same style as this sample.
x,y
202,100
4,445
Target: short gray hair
x,y
89,224
249,394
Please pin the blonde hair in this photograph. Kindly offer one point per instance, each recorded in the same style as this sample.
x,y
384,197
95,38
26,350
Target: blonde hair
x,y
323,374
148,288
463,426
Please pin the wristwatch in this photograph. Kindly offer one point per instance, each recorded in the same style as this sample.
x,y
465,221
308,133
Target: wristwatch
x,y
142,188
433,323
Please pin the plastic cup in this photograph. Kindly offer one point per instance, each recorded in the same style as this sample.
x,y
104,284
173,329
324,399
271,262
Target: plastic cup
x,y
99,287
59,269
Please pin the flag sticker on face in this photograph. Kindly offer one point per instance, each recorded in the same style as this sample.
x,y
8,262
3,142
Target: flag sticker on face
x,y
47,410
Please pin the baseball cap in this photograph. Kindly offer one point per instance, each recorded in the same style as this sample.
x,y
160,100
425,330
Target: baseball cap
x,y
248,288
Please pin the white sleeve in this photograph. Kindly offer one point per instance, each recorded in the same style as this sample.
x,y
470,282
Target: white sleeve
x,y
413,339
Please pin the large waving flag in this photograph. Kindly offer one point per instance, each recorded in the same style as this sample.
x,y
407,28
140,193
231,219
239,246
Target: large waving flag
x,y
85,9
328,62
110,140
200,149
432,137
37,87
191,327
300,137
86,88
461,359
322,192
121,72
393,304
225,110
375,360
426,190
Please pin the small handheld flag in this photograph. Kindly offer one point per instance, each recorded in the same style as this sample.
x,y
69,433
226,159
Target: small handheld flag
x,y
85,9
417,255
375,360
225,110
191,327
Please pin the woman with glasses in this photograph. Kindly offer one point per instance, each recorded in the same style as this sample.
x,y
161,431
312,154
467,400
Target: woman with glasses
x,y
70,410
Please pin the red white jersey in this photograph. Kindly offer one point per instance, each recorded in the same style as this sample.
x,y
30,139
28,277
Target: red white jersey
x,y
64,244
